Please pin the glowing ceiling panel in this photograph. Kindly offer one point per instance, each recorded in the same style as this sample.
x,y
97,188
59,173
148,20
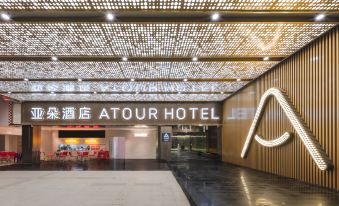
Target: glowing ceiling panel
x,y
170,5
118,97
121,70
61,86
156,40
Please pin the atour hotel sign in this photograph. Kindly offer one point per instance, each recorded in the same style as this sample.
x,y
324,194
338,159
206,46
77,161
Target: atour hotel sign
x,y
62,113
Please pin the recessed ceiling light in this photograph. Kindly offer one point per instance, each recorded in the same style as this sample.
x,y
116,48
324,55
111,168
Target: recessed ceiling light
x,y
140,134
215,16
9,92
195,59
266,58
185,80
5,17
54,58
238,80
110,17
132,80
26,80
125,59
79,80
320,17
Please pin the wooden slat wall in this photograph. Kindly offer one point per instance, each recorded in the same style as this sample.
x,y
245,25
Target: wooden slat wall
x,y
311,79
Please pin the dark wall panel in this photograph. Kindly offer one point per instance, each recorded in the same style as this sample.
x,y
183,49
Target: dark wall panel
x,y
310,78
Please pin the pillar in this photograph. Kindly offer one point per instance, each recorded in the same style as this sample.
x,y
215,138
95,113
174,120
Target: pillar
x,y
164,143
31,139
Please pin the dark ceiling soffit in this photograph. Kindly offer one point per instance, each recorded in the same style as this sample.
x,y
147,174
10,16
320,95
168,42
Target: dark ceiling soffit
x,y
139,59
173,16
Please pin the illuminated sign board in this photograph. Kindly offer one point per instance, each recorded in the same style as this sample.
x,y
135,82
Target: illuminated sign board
x,y
48,113
166,137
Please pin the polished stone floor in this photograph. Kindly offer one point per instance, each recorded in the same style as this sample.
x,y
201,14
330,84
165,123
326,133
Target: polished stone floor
x,y
90,188
212,183
92,165
206,182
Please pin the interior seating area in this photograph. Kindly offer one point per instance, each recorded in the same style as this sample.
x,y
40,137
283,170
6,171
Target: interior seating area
x,y
67,155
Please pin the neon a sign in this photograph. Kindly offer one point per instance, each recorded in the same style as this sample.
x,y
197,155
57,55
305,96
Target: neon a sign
x,y
313,147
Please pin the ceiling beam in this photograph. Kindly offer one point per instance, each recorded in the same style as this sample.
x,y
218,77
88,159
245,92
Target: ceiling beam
x,y
141,59
128,80
173,16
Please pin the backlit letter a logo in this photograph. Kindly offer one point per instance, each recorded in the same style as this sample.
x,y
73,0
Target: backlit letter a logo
x,y
312,145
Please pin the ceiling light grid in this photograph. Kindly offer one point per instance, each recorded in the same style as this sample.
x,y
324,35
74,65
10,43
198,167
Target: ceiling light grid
x,y
128,70
281,39
170,5
157,40
120,97
16,40
244,70
82,86
73,38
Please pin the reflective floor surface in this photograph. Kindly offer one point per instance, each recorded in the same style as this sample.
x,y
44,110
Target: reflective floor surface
x,y
212,183
209,182
92,165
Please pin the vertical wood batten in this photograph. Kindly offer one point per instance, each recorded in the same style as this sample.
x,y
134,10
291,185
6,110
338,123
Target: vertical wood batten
x,y
310,78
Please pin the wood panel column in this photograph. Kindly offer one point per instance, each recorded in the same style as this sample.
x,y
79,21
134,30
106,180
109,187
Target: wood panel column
x,y
31,139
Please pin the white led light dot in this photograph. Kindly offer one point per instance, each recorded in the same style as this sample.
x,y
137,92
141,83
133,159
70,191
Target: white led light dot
x,y
320,17
5,17
215,17
203,5
110,17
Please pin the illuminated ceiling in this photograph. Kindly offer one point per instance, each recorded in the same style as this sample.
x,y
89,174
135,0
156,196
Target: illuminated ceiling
x,y
170,5
160,43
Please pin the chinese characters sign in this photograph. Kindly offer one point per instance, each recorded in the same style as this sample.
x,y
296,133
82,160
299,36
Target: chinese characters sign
x,y
53,113
48,113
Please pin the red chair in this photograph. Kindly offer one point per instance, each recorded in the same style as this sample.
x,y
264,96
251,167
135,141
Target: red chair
x,y
5,156
84,155
103,155
63,155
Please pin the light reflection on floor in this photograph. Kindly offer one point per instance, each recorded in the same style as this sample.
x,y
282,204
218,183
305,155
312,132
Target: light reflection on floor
x,y
212,183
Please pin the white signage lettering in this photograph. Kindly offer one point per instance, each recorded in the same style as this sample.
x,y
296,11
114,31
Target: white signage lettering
x,y
53,113
115,109
125,113
68,113
143,114
194,109
85,113
213,115
104,114
37,113
169,113
204,114
181,113
152,112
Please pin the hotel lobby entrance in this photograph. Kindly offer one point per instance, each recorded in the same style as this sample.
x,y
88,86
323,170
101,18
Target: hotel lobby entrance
x,y
169,102
81,143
